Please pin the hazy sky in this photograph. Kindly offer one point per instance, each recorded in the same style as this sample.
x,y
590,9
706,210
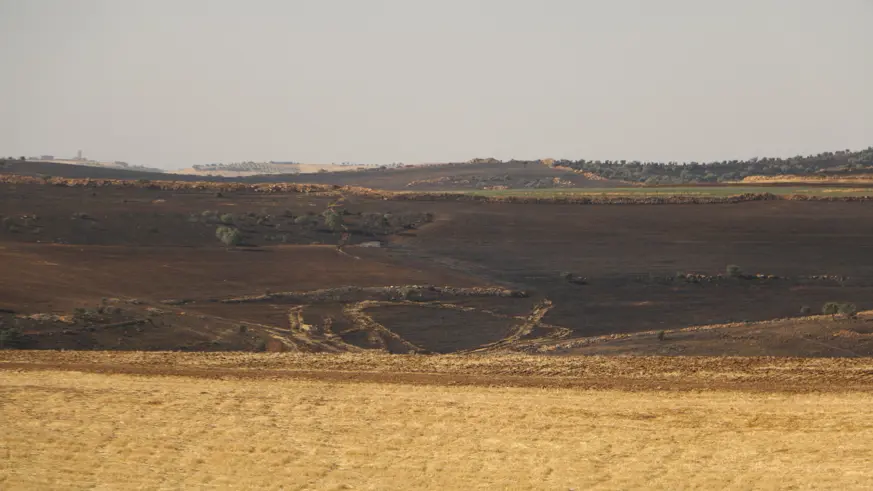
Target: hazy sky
x,y
172,83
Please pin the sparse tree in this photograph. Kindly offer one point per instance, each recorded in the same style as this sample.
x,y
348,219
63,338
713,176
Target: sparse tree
x,y
333,219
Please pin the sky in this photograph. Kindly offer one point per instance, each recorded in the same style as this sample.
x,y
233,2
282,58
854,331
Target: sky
x,y
171,83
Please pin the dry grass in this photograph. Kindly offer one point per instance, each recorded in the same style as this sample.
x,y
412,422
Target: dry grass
x,y
850,178
69,430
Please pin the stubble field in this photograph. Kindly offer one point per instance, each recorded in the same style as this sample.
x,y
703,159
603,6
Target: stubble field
x,y
78,420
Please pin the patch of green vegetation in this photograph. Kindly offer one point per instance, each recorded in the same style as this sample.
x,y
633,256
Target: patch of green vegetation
x,y
843,308
839,162
650,191
228,236
11,338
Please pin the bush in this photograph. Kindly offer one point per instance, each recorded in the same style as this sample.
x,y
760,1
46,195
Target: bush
x,y
830,308
734,271
848,309
843,308
11,338
662,335
228,236
805,310
373,222
303,220
227,218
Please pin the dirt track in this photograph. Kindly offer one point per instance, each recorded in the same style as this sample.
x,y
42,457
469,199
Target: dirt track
x,y
761,374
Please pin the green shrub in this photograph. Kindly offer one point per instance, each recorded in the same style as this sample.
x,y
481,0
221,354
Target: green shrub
x,y
11,338
848,309
805,310
228,236
734,271
227,218
830,308
333,219
843,308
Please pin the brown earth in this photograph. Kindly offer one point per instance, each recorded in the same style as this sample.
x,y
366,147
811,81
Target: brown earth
x,y
68,248
626,373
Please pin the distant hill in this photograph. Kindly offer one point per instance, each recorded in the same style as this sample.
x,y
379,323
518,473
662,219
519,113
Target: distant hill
x,y
82,171
841,162
73,169
249,169
481,174
485,173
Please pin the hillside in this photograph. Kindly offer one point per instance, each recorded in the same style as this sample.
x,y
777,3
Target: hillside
x,y
134,265
74,170
843,162
491,174
462,176
250,169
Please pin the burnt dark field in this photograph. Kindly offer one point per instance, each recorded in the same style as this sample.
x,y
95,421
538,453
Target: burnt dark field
x,y
133,268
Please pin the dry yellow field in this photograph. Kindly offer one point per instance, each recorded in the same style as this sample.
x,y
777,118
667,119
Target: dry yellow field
x,y
65,428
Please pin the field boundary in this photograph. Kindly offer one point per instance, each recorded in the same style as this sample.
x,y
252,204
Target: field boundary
x,y
633,373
